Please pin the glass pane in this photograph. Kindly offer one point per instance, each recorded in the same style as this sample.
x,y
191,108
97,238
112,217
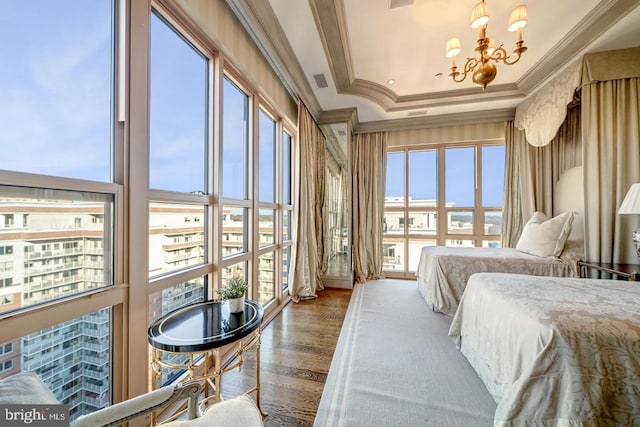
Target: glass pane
x,y
394,184
169,299
393,254
234,271
178,112
176,237
460,243
267,161
415,250
56,89
460,223
265,229
235,141
72,358
266,278
286,168
491,244
234,231
286,225
493,223
493,175
393,223
286,255
53,244
460,177
423,222
423,178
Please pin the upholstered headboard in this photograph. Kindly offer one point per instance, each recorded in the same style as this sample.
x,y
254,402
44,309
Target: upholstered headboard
x,y
569,195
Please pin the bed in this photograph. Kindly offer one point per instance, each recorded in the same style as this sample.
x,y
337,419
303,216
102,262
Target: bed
x,y
547,247
553,351
443,272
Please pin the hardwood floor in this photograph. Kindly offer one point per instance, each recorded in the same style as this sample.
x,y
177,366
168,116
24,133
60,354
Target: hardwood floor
x,y
297,348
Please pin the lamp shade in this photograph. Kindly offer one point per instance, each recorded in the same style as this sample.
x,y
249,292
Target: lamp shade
x,y
479,15
453,47
491,46
518,18
631,202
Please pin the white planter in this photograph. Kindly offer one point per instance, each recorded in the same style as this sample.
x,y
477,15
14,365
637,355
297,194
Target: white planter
x,y
236,305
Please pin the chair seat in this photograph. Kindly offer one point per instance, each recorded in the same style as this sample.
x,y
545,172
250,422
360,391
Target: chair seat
x,y
240,411
26,388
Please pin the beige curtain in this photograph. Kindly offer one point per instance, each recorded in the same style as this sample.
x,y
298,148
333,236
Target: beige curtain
x,y
320,216
611,150
369,170
519,202
305,277
531,173
548,162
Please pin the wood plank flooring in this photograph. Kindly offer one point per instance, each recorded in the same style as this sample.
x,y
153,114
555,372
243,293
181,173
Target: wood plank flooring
x,y
296,352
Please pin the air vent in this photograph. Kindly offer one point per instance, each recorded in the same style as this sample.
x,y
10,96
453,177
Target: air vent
x,y
321,80
399,3
342,133
417,113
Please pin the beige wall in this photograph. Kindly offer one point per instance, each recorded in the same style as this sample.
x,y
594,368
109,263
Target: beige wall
x,y
462,133
218,21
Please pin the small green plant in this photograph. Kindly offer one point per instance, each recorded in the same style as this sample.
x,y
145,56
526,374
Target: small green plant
x,y
236,287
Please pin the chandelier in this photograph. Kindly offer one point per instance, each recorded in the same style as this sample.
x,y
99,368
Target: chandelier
x,y
482,67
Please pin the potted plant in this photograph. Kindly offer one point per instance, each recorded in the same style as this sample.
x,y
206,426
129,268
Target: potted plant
x,y
234,292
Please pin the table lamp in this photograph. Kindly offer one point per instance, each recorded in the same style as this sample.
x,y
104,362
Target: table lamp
x,y
631,205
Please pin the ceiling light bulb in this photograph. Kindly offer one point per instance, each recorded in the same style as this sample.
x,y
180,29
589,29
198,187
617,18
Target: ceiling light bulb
x,y
391,81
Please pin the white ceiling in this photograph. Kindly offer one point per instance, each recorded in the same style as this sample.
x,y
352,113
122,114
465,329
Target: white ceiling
x,y
358,45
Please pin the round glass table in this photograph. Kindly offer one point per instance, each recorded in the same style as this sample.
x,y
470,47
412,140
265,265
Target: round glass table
x,y
201,331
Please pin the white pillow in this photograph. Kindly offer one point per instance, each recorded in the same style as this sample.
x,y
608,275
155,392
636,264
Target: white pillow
x,y
545,237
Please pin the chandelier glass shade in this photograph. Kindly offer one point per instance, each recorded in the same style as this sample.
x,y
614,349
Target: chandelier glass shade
x,y
483,67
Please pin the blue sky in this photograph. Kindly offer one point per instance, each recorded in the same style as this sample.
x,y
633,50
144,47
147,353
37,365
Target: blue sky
x,y
54,79
178,125
459,175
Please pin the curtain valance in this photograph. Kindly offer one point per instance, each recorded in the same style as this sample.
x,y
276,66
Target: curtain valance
x,y
541,115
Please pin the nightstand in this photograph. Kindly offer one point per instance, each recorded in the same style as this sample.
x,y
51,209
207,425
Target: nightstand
x,y
604,270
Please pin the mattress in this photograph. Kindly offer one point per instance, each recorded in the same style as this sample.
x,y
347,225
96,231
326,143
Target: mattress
x,y
443,271
553,351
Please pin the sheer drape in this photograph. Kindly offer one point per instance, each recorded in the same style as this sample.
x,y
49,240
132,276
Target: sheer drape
x,y
369,169
531,173
306,255
611,138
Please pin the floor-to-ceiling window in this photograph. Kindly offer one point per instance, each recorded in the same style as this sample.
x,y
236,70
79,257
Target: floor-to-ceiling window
x,y
178,173
447,195
134,179
59,199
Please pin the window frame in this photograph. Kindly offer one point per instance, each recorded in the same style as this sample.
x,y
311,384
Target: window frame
x,y
442,235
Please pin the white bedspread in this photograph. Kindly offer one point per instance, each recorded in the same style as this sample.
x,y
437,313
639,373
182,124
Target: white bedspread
x,y
554,351
443,272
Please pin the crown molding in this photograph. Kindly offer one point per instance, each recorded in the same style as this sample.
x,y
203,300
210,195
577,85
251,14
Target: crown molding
x,y
259,20
473,117
330,19
596,23
342,115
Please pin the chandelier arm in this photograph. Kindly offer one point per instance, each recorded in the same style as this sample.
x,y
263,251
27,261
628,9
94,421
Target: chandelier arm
x,y
500,54
468,67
